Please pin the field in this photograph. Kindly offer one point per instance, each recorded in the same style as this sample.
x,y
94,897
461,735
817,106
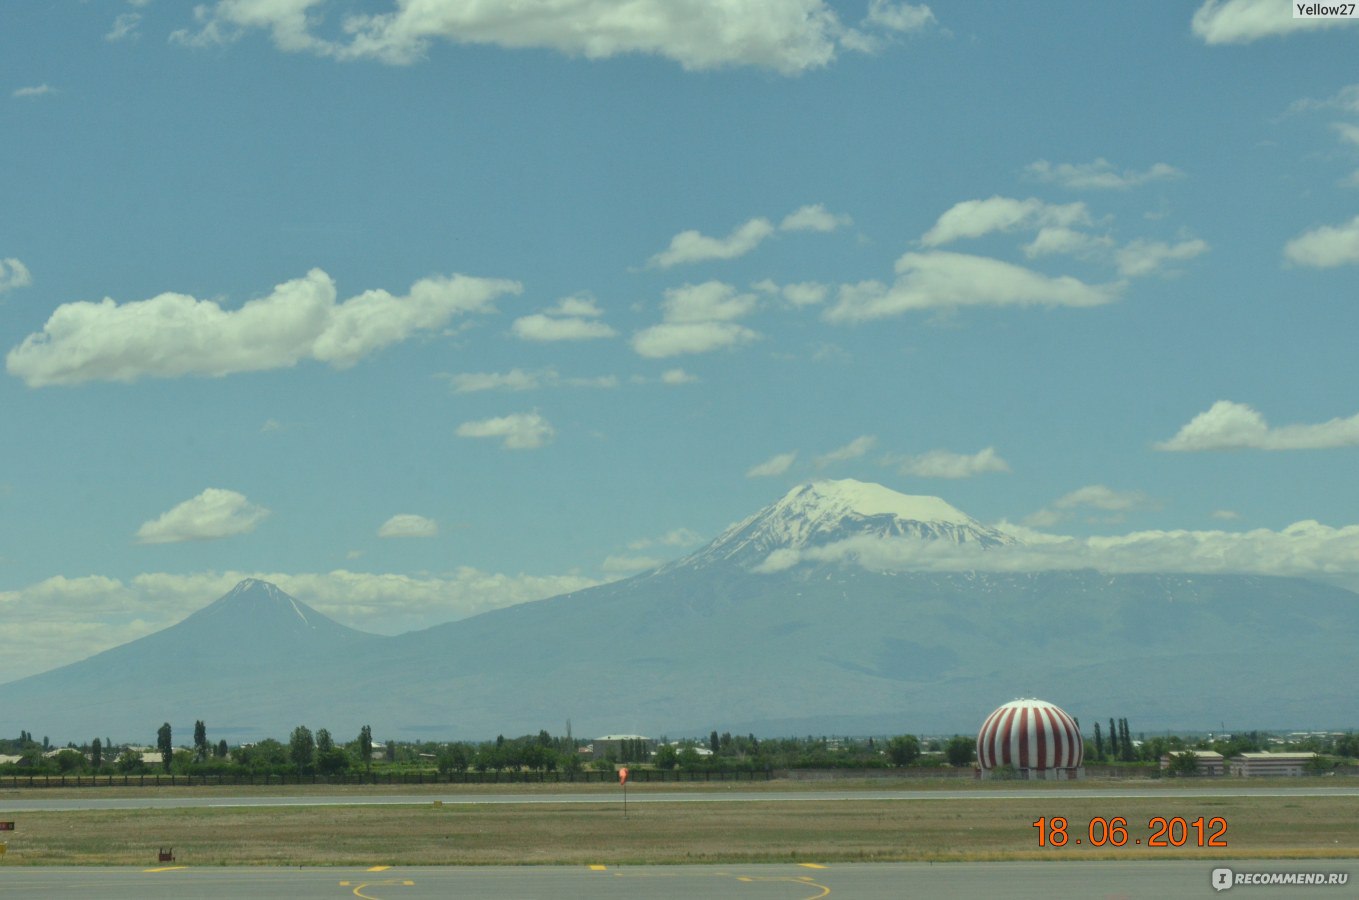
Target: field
x,y
980,827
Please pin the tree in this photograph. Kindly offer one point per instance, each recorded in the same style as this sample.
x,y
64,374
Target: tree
x,y
366,746
1185,763
666,757
221,749
1099,743
959,751
200,741
714,743
302,749
96,754
903,750
165,745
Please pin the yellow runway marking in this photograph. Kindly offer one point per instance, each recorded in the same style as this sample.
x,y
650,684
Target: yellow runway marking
x,y
165,869
599,868
379,868
363,885
811,865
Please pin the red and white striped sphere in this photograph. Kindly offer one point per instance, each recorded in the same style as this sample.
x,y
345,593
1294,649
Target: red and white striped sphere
x,y
1030,734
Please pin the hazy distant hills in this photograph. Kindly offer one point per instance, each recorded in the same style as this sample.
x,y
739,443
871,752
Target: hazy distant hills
x,y
717,640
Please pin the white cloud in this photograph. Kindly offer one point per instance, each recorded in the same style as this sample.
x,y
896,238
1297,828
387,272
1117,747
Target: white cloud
x,y
629,565
677,376
674,339
174,334
1098,175
813,218
899,16
1140,257
675,537
856,448
521,431
691,246
1326,246
572,319
775,465
1235,426
1346,100
1244,21
124,27
805,293
787,36
1348,133
947,464
1058,239
408,525
1226,514
213,514
543,328
13,274
513,380
34,91
942,280
1092,496
711,301
519,380
1305,549
975,218
697,318
61,620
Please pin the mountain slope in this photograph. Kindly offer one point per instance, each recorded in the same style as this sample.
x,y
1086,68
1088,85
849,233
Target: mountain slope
x,y
720,640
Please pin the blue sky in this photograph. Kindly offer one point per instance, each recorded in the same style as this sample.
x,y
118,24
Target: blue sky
x,y
420,310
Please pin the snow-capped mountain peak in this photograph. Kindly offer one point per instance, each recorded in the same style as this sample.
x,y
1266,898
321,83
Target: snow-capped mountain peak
x,y
824,512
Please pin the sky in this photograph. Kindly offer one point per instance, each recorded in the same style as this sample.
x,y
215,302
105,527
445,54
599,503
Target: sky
x,y
421,308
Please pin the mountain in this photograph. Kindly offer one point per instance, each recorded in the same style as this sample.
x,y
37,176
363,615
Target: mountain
x,y
722,639
230,660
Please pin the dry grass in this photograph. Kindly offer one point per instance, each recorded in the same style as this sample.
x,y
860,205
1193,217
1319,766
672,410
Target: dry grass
x,y
819,830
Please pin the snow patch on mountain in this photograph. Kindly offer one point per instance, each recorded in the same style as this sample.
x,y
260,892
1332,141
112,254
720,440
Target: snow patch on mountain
x,y
826,513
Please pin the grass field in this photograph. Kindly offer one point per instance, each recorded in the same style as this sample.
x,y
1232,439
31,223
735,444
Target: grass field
x,y
977,828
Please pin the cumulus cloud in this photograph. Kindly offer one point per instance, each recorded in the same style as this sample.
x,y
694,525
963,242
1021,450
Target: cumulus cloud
x,y
775,465
519,431
904,17
974,218
1235,426
572,319
947,464
675,537
13,274
520,380
34,91
1244,21
1058,239
1304,549
674,377
213,514
629,565
172,335
61,620
1345,100
856,448
1326,246
698,318
1092,496
787,36
692,246
124,27
813,218
943,280
408,525
1140,257
1098,175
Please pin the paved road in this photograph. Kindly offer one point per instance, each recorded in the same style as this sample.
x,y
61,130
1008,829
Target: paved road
x,y
1114,880
100,799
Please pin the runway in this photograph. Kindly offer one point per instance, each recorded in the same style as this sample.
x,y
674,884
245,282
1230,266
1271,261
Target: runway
x,y
98,799
1113,880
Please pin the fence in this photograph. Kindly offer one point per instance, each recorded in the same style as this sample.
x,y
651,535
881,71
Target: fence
x,y
392,778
